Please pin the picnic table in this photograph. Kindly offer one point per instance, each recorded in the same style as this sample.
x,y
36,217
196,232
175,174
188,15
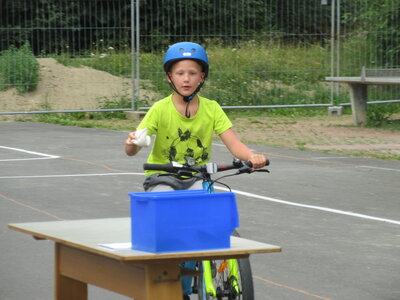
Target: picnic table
x,y
84,255
358,89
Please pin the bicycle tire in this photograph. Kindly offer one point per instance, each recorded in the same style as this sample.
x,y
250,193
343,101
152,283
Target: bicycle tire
x,y
223,284
246,278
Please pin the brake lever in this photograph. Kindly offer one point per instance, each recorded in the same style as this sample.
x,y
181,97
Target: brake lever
x,y
244,169
262,170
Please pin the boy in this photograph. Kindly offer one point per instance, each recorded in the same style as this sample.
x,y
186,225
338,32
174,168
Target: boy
x,y
184,122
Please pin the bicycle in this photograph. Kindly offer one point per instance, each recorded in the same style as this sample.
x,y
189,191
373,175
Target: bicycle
x,y
221,279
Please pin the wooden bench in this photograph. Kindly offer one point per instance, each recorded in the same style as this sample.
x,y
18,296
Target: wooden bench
x,y
358,89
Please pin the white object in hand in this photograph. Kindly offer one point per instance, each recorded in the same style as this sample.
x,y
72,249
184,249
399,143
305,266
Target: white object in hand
x,y
142,139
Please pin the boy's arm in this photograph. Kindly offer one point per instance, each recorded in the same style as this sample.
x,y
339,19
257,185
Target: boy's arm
x,y
240,150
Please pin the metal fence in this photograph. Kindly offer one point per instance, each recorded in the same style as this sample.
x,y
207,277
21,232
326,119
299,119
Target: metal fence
x,y
365,33
102,55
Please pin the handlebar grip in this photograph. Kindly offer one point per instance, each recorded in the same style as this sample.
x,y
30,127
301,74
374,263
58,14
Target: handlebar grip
x,y
159,167
249,164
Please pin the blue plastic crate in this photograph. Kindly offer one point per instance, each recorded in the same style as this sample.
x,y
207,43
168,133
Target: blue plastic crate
x,y
177,221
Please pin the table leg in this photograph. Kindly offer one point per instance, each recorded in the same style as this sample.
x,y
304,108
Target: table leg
x,y
76,268
163,282
66,288
358,97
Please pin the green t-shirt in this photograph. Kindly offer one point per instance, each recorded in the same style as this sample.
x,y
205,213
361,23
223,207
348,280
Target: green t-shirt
x,y
178,137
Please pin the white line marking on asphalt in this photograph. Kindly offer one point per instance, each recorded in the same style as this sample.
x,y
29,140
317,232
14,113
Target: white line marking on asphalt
x,y
66,175
43,155
251,195
379,168
327,209
23,159
331,157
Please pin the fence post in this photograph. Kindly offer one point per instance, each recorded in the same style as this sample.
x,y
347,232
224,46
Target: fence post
x,y
138,53
133,54
332,50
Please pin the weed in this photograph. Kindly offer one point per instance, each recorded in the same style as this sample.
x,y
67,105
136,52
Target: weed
x,y
301,145
253,121
380,115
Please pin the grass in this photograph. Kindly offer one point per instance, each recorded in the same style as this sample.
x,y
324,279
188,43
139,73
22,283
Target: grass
x,y
255,74
118,64
249,74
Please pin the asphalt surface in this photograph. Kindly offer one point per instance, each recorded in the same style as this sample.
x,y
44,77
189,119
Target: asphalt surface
x,y
337,218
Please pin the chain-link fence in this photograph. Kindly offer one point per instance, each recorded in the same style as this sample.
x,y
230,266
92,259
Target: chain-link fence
x,y
85,55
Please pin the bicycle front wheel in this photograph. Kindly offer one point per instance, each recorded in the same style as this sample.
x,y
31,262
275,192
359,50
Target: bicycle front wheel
x,y
229,279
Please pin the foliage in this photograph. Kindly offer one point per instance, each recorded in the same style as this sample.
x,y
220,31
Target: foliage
x,y
19,69
381,115
376,29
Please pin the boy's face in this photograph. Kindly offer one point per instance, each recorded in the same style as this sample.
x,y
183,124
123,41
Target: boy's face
x,y
186,75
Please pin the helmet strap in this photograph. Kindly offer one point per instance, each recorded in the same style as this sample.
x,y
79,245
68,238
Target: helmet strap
x,y
187,99
187,112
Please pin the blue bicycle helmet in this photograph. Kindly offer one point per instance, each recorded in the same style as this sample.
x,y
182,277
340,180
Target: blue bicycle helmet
x,y
186,50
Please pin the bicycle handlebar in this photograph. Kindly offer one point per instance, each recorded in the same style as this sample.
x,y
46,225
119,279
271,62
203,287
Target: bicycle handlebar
x,y
209,168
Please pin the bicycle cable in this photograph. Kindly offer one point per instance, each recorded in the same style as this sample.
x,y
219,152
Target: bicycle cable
x,y
211,183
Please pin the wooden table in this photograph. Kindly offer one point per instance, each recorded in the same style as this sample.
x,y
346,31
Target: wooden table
x,y
80,260
358,93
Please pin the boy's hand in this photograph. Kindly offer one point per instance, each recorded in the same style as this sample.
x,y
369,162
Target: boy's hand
x,y
139,138
258,161
132,145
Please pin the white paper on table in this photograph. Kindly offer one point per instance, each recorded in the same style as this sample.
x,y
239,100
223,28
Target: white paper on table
x,y
117,246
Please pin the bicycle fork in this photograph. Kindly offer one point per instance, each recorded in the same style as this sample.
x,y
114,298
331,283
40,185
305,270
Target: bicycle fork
x,y
232,264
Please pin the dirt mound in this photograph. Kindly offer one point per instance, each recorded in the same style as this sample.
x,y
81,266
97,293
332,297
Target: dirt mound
x,y
68,88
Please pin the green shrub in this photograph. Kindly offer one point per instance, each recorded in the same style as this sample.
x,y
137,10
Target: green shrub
x,y
380,115
19,69
117,102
